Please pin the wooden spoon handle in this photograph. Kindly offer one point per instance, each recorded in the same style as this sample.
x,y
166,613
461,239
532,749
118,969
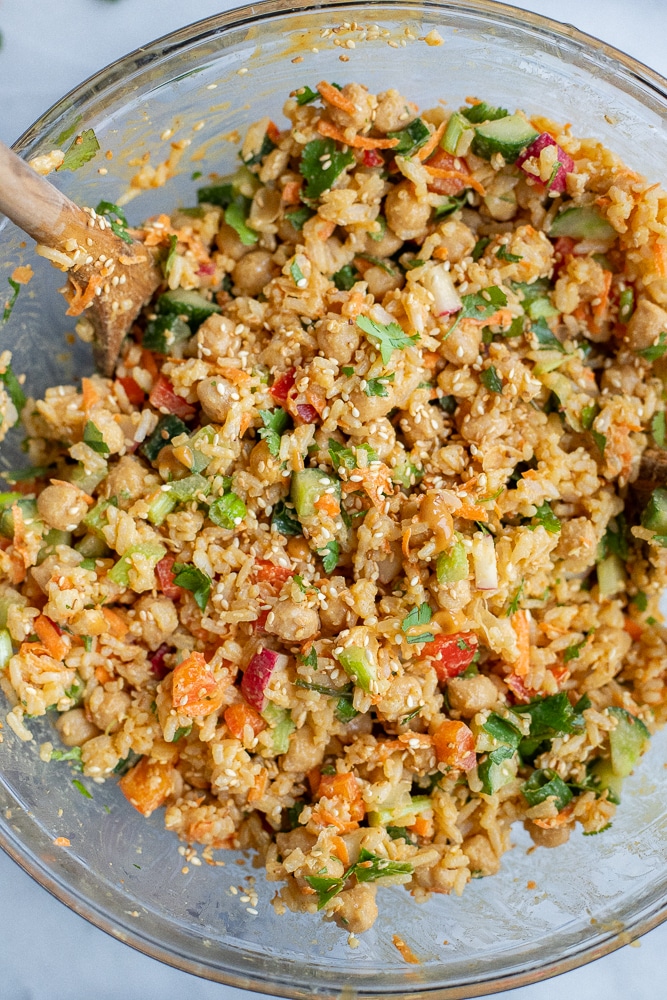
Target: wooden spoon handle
x,y
36,206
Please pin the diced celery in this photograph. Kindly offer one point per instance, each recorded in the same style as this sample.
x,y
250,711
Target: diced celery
x,y
51,539
151,551
655,513
308,486
204,435
92,547
28,508
96,518
6,650
611,575
497,770
162,504
628,741
357,664
87,481
398,815
452,565
456,126
188,488
280,721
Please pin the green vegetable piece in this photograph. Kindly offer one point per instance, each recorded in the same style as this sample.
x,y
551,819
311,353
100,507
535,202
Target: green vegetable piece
x,y
330,555
656,351
452,565
96,518
151,551
227,511
489,377
92,436
181,733
267,145
346,278
508,135
574,650
308,485
125,764
502,253
417,616
74,753
654,516
411,138
280,721
26,505
193,579
400,833
626,304
13,387
513,605
304,95
546,784
189,488
456,126
116,219
502,730
187,303
357,664
82,149
497,770
447,206
11,301
628,741
380,234
602,776
388,337
164,332
407,474
582,223
588,415
275,423
542,309
550,717
483,112
298,276
611,576
283,520
378,386
298,216
479,247
81,788
236,216
659,428
546,517
6,650
321,163
221,195
167,429
370,867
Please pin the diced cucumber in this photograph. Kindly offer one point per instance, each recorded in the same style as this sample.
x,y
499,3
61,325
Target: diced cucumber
x,y
6,650
559,384
508,136
189,488
602,776
498,770
151,551
357,663
406,474
51,539
96,518
456,126
611,575
655,513
483,112
167,429
541,308
452,565
582,222
204,435
87,481
92,547
164,332
308,486
546,784
28,508
398,815
280,721
186,302
628,741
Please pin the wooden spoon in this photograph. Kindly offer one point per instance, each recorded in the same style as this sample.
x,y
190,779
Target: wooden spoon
x,y
124,275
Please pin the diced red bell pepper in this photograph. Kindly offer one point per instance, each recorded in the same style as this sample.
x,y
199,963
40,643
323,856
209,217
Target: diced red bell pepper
x,y
563,248
163,397
158,666
518,689
267,572
260,622
206,268
454,745
448,185
282,385
307,413
372,158
165,578
451,654
133,390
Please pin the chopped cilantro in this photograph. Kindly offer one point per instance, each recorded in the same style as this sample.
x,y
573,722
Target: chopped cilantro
x,y
321,163
411,138
92,436
387,336
13,387
546,784
490,378
304,95
544,336
236,216
479,247
513,606
411,716
82,149
193,579
378,386
656,350
447,403
74,753
297,274
550,717
298,216
345,278
275,422
546,517
347,371
399,833
502,253
588,415
382,222
480,305
330,555
310,659
418,616
449,205
11,301
126,763
81,788
640,601
116,219
615,540
87,642
502,730
368,868
181,732
572,652
284,521
267,145
600,440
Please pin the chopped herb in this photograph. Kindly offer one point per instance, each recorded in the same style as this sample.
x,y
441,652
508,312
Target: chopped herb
x,y
600,440
171,255
92,436
87,642
480,305
490,378
550,717
513,606
310,659
588,415
195,175
74,753
447,403
297,274
220,195
304,95
544,336
516,328
11,301
284,520
368,868
227,511
321,163
182,732
387,336
377,237
449,205
378,386
330,692
572,652
298,216
236,216
411,716
418,616
347,371
88,564
346,278
594,833
13,387
191,578
483,112
341,457
330,555
546,784
640,601
656,350
615,541
502,253
267,146
126,763
378,262
345,710
502,730
411,138
479,247
658,428
626,304
546,517
275,422
116,219
82,149
26,475
399,833
81,788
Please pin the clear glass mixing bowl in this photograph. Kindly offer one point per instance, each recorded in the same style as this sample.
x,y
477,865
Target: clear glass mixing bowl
x,y
124,873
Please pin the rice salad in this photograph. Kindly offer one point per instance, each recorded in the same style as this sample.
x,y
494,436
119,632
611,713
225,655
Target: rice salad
x,y
346,565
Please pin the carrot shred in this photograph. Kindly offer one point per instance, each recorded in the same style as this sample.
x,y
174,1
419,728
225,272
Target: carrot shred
x,y
117,626
430,144
340,850
600,309
553,822
328,504
332,131
633,628
273,132
332,95
259,787
80,300
290,193
521,626
467,179
89,394
149,364
421,826
51,639
441,253
314,776
103,675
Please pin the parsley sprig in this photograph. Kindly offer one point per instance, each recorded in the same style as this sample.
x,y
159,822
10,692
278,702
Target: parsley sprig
x,y
388,337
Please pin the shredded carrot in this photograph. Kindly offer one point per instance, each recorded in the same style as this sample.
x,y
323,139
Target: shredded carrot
x,y
601,308
273,132
430,144
472,100
407,954
322,229
470,512
441,253
328,504
314,776
376,483
357,141
421,826
405,544
149,364
553,822
246,420
89,394
51,638
103,675
333,96
322,817
467,179
660,258
258,789
431,359
116,624
340,850
290,193
521,626
79,300
633,628
234,375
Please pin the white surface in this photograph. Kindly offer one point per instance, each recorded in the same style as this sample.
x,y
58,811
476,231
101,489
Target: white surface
x,y
47,952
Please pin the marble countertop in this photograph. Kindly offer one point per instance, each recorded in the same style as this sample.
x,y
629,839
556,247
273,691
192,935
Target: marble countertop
x,y
46,951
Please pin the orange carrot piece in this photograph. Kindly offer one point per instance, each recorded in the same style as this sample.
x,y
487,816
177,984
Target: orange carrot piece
x,y
333,96
51,638
240,715
80,300
455,745
421,826
343,786
471,512
633,628
148,785
116,623
103,675
290,193
314,776
332,131
430,144
340,850
89,394
600,309
521,626
441,253
328,504
467,179
258,789
148,362
273,132
195,690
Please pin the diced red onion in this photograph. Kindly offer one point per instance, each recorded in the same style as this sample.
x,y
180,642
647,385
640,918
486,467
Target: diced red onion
x,y
158,666
258,674
307,413
485,563
206,267
438,281
565,162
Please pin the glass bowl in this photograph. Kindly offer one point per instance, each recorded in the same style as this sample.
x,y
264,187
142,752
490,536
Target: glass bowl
x,y
123,872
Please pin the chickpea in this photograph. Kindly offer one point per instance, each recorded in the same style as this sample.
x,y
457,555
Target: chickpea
x,y
545,837
263,465
336,615
298,549
216,338
62,506
215,396
303,754
406,215
108,709
74,728
229,242
379,434
292,622
253,272
386,247
372,407
393,112
357,910
380,281
469,695
156,619
457,239
337,338
462,345
128,479
646,324
364,103
427,424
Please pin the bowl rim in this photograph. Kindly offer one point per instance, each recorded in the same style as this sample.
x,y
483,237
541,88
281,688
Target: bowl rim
x,y
96,84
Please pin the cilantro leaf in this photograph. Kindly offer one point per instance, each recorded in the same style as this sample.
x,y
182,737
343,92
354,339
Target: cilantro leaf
x,y
640,601
479,247
513,606
11,301
304,95
82,149
546,784
117,220
378,262
490,378
502,253
480,305
346,278
600,440
298,216
656,350
550,717
321,163
191,578
236,216
588,415
181,732
80,787
92,436
275,422
615,541
341,457
546,517
310,659
398,833
221,195
330,555
503,730
326,888
378,386
411,138
545,338
377,237
284,520
13,387
387,336
572,652
418,616
370,867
